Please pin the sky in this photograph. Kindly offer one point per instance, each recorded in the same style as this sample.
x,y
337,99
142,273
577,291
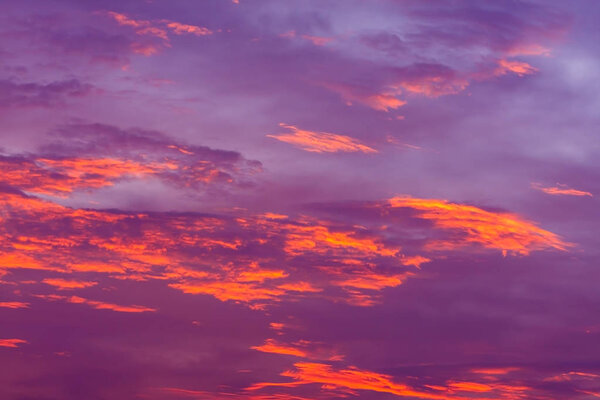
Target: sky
x,y
299,200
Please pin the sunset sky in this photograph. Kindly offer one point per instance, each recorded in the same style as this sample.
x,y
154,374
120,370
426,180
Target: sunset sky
x,y
299,200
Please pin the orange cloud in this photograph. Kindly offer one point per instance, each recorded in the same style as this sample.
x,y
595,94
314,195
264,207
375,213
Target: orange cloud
x,y
163,247
316,237
271,346
182,29
277,326
225,291
13,304
302,349
351,378
97,304
158,28
321,142
155,29
64,175
378,101
494,371
63,284
415,261
572,375
12,342
373,281
299,287
561,189
108,306
507,232
17,260
142,27
198,254
469,387
516,67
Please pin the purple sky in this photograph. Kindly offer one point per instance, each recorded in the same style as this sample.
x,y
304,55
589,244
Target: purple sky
x,y
319,199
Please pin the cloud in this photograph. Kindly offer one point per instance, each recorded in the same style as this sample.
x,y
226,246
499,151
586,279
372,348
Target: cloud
x,y
560,189
315,40
440,51
31,94
321,142
517,67
271,346
103,155
14,343
13,304
99,305
386,100
63,284
256,260
497,230
351,378
205,395
197,254
301,349
158,29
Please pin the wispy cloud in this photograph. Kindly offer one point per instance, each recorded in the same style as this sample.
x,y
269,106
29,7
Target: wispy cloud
x,y
13,304
156,28
100,305
321,142
560,189
507,232
65,284
14,343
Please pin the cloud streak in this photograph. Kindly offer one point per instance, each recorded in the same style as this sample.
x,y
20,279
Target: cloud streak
x,y
321,142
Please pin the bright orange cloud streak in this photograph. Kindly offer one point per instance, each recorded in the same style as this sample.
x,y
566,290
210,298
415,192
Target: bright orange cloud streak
x,y
108,306
321,142
373,281
507,232
494,371
12,342
271,346
351,378
302,349
63,284
13,304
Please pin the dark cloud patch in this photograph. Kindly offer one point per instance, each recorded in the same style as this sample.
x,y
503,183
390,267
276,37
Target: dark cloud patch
x,y
14,94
